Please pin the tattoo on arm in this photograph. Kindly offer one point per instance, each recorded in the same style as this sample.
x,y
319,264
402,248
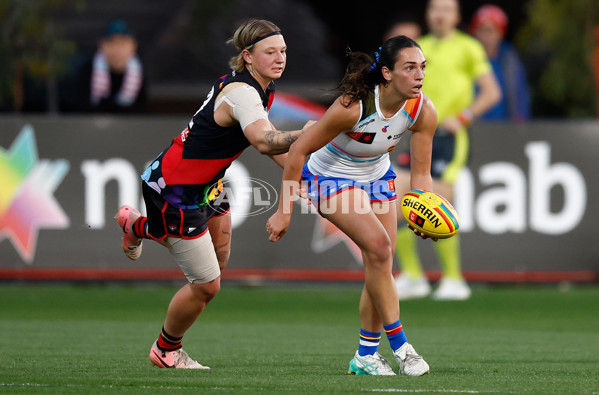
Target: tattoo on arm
x,y
290,138
279,141
270,137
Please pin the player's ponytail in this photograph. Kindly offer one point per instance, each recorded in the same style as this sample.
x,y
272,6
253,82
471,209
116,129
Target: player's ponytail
x,y
363,71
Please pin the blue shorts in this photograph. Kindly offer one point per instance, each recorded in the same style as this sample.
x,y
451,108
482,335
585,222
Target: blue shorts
x,y
321,188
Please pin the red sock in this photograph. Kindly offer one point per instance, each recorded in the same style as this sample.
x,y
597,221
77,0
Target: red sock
x,y
167,342
140,227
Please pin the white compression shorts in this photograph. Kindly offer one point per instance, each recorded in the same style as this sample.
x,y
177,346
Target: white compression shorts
x,y
196,257
246,103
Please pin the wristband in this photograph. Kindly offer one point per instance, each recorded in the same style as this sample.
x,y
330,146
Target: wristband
x,y
466,116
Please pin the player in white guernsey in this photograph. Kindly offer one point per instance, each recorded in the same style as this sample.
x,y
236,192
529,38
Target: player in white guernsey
x,y
351,182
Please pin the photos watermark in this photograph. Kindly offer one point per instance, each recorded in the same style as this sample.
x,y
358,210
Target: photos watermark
x,y
249,196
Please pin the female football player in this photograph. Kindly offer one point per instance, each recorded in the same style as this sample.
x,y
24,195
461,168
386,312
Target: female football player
x,y
182,185
350,180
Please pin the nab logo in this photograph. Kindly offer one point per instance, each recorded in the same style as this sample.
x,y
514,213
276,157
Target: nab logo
x,y
27,202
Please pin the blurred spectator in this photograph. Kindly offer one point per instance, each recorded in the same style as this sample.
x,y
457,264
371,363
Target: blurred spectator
x,y
456,64
489,25
596,65
112,80
405,26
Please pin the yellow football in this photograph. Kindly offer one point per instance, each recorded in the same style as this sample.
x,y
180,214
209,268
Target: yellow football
x,y
430,213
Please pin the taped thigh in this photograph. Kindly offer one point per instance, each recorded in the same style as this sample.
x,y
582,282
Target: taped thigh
x,y
196,258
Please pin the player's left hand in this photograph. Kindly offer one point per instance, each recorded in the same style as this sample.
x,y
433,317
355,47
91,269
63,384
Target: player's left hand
x,y
421,235
277,226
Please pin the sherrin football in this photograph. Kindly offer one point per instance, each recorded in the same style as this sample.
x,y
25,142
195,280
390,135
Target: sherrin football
x,y
430,213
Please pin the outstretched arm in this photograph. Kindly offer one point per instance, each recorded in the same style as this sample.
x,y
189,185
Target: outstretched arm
x,y
337,119
244,107
268,140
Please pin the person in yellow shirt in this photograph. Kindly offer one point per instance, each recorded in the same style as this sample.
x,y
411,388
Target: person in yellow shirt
x,y
456,64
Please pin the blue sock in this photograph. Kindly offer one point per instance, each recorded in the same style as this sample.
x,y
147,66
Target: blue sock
x,y
369,342
395,334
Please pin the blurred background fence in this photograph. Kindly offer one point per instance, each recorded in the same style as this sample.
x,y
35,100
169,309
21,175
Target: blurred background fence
x,y
526,200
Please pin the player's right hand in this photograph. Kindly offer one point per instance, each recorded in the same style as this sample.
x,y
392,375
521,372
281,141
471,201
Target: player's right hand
x,y
277,225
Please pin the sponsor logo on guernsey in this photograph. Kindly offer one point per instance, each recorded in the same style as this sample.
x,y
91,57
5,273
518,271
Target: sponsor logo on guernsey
x,y
365,123
361,137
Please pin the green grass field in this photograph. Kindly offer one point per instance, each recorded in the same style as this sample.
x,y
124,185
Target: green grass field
x,y
296,339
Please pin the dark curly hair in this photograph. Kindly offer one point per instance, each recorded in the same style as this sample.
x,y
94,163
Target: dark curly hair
x,y
363,71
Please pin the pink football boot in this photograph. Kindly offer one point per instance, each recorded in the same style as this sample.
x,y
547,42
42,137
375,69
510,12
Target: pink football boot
x,y
131,244
177,359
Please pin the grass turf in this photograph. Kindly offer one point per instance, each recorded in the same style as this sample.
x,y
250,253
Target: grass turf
x,y
296,339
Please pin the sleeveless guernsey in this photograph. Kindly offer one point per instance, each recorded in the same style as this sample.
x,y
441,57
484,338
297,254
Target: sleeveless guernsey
x,y
361,154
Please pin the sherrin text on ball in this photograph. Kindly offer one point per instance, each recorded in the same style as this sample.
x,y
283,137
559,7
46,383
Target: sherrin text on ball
x,y
430,213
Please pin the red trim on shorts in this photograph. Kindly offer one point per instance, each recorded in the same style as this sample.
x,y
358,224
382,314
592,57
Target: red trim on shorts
x,y
182,216
163,221
179,237
384,200
196,236
336,193
221,214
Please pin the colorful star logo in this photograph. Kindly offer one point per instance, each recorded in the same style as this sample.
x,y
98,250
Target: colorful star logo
x,y
27,203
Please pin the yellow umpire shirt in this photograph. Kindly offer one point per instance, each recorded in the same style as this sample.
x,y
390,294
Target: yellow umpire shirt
x,y
452,66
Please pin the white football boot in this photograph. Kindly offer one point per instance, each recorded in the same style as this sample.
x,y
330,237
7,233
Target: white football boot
x,y
373,365
410,363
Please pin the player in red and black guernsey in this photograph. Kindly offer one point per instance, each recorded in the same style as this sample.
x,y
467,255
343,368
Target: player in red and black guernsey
x,y
181,186
185,173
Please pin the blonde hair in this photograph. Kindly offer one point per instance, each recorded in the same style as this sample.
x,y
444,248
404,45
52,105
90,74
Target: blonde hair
x,y
246,34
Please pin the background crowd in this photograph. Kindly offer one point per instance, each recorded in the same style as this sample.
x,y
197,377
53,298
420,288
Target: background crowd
x,y
171,50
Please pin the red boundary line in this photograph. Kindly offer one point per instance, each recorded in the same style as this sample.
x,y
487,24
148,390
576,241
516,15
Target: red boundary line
x,y
587,276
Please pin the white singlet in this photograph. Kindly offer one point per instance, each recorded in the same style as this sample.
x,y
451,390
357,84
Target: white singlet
x,y
362,153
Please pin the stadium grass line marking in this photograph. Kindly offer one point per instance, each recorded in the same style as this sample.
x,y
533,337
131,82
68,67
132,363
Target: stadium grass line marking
x,y
442,391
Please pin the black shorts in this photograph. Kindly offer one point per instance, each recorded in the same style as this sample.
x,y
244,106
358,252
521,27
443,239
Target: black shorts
x,y
166,220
